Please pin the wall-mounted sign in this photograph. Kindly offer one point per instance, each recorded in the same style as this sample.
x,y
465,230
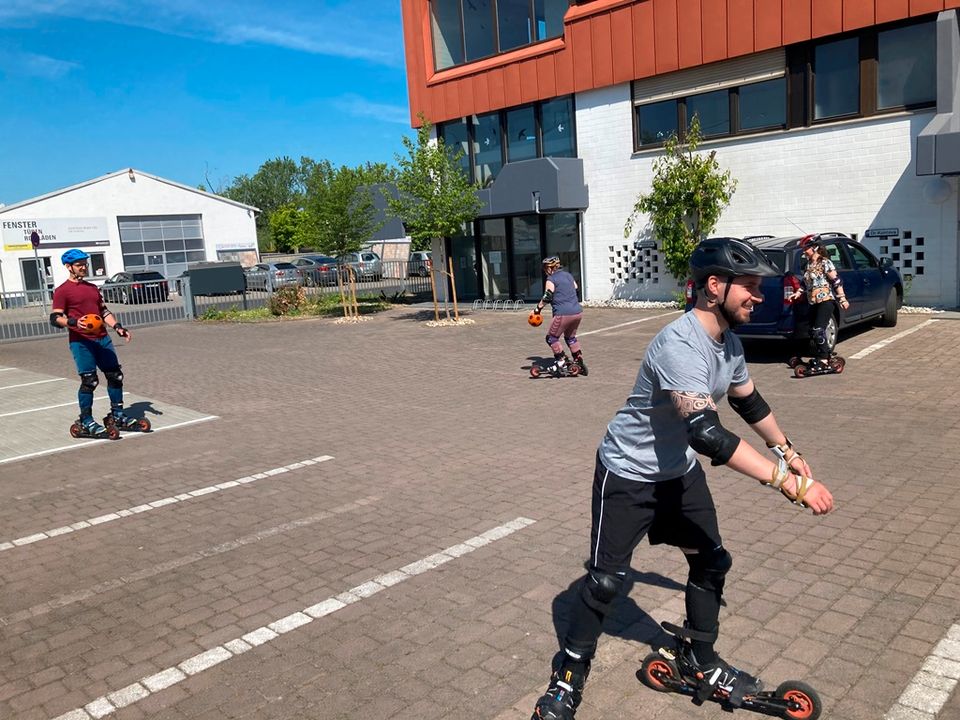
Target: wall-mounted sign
x,y
882,232
54,233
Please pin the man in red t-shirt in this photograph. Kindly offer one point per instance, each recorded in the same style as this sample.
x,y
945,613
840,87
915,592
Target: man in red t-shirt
x,y
91,347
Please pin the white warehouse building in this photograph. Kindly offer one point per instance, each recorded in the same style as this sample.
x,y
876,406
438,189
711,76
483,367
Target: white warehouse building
x,y
126,221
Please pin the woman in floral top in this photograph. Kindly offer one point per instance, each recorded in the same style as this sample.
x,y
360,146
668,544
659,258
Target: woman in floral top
x,y
824,290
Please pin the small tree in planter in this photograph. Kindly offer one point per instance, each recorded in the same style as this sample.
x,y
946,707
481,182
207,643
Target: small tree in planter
x,y
435,197
686,198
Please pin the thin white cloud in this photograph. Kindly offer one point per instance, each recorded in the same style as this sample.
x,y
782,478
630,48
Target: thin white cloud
x,y
355,30
361,107
17,63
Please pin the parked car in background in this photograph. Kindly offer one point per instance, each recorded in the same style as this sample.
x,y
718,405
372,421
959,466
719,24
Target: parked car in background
x,y
872,285
272,276
366,265
144,286
316,269
420,263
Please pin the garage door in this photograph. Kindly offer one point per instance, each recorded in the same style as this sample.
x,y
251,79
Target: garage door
x,y
165,243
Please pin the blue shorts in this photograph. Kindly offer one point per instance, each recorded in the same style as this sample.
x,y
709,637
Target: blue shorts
x,y
92,354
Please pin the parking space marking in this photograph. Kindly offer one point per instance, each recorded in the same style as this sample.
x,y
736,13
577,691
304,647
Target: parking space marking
x,y
931,687
35,382
146,686
154,504
145,573
631,322
84,443
883,343
50,407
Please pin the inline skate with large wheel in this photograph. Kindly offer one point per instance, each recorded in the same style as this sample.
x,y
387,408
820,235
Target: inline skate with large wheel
x,y
86,427
667,671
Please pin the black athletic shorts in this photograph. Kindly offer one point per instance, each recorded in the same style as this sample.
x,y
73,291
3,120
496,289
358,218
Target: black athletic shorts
x,y
676,512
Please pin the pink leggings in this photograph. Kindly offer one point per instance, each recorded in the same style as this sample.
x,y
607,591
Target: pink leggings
x,y
564,326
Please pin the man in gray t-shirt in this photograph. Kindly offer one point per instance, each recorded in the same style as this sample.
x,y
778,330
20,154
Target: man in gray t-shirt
x,y
648,479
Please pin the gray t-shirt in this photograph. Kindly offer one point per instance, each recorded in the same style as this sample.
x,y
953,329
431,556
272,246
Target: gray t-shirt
x,y
647,438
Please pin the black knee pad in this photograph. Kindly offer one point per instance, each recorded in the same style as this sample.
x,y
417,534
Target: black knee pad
x,y
708,568
820,336
114,378
599,589
570,340
551,339
89,382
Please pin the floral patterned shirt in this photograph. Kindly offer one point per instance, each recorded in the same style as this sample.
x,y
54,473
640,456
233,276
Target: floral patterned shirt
x,y
816,282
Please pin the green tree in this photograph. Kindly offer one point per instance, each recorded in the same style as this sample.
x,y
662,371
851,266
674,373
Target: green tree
x,y
686,198
340,209
435,197
277,183
291,228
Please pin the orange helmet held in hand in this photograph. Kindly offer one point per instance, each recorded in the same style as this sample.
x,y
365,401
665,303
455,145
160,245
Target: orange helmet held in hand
x,y
535,319
90,324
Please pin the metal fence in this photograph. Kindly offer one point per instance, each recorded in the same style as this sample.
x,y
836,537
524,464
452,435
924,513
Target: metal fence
x,y
23,316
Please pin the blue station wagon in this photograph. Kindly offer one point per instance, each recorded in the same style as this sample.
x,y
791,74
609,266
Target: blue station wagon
x,y
872,285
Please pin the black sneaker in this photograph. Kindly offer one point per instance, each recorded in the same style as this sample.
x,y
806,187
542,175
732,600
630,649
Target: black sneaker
x,y
721,676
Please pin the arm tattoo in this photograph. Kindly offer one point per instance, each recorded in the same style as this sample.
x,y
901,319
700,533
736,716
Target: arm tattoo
x,y
688,403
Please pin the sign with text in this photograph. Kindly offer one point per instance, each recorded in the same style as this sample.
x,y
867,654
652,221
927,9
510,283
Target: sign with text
x,y
882,232
53,233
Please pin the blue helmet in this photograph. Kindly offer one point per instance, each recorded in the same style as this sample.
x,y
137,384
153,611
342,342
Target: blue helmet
x,y
72,256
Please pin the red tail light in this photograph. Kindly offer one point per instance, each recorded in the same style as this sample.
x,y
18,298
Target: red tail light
x,y
324,268
429,264
691,292
790,286
136,286
278,273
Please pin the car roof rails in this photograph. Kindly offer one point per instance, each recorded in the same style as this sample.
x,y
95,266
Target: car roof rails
x,y
758,237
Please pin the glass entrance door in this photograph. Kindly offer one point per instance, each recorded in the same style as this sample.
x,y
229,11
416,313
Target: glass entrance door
x,y
563,240
493,259
463,251
527,263
35,281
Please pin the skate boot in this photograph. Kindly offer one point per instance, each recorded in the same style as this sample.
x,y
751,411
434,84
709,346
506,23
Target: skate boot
x,y
120,420
578,359
717,677
565,691
820,366
560,367
86,427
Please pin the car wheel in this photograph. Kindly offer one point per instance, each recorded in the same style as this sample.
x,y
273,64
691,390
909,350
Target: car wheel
x,y
889,317
832,331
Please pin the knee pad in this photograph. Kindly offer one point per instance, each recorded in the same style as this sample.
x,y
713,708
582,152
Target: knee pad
x,y
708,568
114,378
571,340
819,336
600,588
89,382
551,339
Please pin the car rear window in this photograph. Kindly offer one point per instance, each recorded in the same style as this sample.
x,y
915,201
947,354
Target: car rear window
x,y
148,276
778,258
286,266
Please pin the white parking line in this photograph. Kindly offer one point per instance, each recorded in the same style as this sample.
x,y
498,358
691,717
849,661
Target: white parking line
x,y
930,688
883,343
144,573
77,444
154,504
631,322
48,407
146,686
35,382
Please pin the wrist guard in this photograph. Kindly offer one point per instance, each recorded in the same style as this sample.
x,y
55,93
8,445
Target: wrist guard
x,y
121,330
780,473
784,452
71,322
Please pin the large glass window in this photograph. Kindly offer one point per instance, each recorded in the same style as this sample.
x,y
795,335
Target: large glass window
x,y
836,86
557,124
456,139
763,104
527,263
563,240
493,258
487,150
468,30
513,23
521,134
447,33
713,109
658,121
907,66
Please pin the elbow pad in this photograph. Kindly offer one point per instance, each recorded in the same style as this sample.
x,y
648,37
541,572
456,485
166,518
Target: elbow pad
x,y
53,318
752,408
548,297
708,437
836,282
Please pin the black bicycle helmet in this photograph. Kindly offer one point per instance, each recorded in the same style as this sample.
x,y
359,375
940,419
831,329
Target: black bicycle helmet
x,y
728,257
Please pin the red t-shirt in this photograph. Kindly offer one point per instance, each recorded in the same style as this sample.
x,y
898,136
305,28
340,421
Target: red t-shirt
x,y
77,299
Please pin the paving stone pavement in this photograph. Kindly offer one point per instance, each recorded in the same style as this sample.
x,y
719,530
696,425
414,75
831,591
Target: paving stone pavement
x,y
437,436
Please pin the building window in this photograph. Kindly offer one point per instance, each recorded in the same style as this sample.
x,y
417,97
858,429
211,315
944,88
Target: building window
x,y
543,129
713,109
907,66
763,105
836,79
658,121
469,30
98,265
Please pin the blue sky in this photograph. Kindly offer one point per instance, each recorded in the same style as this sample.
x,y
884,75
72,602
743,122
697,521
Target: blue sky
x,y
194,89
